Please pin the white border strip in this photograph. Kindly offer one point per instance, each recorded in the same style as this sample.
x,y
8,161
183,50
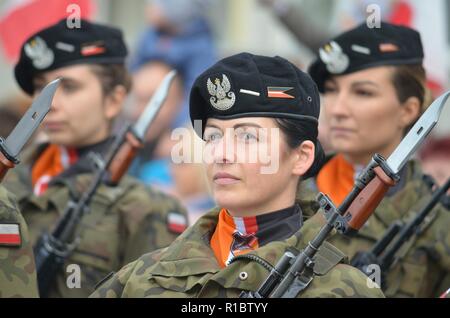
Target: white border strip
x,y
246,91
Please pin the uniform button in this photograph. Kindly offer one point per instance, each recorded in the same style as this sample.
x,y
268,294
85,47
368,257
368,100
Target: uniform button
x,y
243,275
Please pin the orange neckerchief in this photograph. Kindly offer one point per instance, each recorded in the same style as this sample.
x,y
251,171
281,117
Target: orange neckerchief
x,y
336,179
52,161
233,236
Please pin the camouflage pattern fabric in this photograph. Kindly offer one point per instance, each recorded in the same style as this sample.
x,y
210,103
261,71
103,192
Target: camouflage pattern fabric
x,y
123,223
17,269
425,261
188,268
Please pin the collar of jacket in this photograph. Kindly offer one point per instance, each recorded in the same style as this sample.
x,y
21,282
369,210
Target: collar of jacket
x,y
191,258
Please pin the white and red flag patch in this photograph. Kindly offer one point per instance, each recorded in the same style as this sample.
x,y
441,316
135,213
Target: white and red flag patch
x,y
93,49
10,234
176,222
279,92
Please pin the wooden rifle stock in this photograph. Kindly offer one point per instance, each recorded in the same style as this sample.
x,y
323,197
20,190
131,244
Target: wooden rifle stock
x,y
122,160
367,200
5,165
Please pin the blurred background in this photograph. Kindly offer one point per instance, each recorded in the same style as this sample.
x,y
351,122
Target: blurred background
x,y
190,35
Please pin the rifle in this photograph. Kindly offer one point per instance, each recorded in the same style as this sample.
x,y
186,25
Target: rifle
x,y
52,249
292,274
19,136
402,233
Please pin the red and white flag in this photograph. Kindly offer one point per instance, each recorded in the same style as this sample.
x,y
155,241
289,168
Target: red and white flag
x,y
279,92
10,234
19,19
176,222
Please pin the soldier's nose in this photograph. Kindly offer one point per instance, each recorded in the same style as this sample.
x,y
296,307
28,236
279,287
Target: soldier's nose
x,y
224,150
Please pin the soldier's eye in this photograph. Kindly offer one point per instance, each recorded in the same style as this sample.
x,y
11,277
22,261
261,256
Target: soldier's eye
x,y
212,136
328,89
364,93
246,136
69,88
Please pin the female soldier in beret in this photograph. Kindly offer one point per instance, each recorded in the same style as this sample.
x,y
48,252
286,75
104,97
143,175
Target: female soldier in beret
x,y
246,103
373,83
124,221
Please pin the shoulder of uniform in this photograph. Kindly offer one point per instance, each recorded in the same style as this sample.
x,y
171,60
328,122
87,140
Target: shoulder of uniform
x,y
135,273
113,284
192,243
136,188
343,281
11,221
413,189
328,257
309,207
32,151
17,180
7,199
149,201
212,213
416,179
134,200
415,168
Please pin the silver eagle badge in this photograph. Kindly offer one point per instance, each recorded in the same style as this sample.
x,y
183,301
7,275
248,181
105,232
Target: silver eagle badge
x,y
38,51
221,97
334,58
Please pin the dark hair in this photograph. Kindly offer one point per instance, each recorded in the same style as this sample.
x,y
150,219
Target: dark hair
x,y
296,132
112,75
410,81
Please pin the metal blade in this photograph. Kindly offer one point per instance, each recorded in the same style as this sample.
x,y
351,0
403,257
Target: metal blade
x,y
153,107
31,120
417,133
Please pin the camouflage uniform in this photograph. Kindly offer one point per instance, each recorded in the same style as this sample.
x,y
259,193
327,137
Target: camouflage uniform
x,y
17,270
124,222
425,261
188,268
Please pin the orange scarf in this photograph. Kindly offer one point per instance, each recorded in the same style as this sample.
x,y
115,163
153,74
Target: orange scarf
x,y
53,160
233,236
336,179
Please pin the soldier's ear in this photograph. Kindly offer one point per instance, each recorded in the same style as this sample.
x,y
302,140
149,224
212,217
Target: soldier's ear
x,y
114,102
410,111
303,157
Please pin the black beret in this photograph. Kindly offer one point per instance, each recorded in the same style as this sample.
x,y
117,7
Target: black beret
x,y
247,85
60,45
363,47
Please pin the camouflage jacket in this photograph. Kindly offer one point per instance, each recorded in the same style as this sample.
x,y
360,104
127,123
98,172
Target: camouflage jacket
x,y
17,270
188,268
123,223
423,262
